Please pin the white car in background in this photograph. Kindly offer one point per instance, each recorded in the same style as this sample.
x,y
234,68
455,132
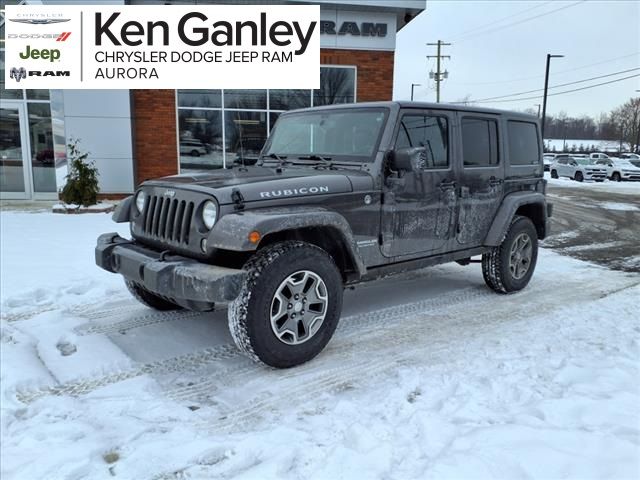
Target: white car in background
x,y
547,160
619,169
578,169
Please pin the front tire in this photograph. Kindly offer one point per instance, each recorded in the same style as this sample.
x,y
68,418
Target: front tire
x,y
289,305
578,177
148,299
616,177
554,174
508,267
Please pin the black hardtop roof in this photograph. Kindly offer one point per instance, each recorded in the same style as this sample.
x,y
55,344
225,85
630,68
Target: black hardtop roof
x,y
424,105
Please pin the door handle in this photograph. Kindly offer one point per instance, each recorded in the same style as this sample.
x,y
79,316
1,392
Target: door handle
x,y
495,181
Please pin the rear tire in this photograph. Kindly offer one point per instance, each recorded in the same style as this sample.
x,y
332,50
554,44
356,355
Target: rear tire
x,y
509,266
149,299
578,177
289,305
554,174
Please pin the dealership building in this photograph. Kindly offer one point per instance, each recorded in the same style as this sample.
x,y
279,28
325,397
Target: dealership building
x,y
135,135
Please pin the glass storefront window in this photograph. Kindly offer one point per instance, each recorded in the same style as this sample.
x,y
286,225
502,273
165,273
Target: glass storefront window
x,y
337,85
289,99
41,140
246,99
11,167
200,98
245,134
6,94
245,114
37,94
200,139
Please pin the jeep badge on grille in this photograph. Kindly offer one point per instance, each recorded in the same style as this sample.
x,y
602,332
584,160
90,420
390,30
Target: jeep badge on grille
x,y
169,193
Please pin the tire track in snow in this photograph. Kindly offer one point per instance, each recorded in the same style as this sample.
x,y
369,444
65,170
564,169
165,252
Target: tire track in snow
x,y
393,346
194,361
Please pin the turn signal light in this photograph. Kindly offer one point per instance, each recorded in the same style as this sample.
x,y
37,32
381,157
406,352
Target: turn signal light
x,y
254,237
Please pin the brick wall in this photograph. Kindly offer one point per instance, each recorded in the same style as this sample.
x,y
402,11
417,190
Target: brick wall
x,y
375,71
154,111
154,133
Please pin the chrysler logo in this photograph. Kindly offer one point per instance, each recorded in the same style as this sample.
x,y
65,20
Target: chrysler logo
x,y
169,193
39,21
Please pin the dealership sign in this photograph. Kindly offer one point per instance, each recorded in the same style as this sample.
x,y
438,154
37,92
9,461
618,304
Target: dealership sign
x,y
168,46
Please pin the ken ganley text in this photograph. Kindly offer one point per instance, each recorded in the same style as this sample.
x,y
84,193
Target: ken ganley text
x,y
267,39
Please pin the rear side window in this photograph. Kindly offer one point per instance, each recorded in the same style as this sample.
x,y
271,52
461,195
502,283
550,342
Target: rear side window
x,y
430,132
523,143
479,142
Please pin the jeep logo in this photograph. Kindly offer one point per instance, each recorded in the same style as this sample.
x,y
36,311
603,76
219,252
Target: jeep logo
x,y
44,53
169,193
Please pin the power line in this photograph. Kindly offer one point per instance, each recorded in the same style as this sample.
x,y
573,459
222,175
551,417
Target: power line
x,y
559,85
464,39
480,27
537,77
439,75
557,93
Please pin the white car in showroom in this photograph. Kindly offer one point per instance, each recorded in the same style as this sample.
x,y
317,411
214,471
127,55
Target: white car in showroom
x,y
578,169
619,169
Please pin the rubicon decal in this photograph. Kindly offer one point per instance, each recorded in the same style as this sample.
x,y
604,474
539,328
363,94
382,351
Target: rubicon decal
x,y
166,46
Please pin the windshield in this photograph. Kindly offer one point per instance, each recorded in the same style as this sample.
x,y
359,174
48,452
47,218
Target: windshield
x,y
624,163
636,163
352,135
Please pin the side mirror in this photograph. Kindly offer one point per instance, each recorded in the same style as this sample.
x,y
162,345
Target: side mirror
x,y
407,159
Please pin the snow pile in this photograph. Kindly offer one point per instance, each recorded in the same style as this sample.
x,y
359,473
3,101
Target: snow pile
x,y
429,375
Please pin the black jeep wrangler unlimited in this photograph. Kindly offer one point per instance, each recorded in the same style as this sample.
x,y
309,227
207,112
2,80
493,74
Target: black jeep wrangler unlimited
x,y
339,195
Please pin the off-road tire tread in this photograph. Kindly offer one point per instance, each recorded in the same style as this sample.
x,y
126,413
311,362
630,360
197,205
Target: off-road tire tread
x,y
148,299
237,312
492,267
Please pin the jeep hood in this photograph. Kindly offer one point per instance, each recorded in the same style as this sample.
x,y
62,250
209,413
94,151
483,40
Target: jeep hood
x,y
264,183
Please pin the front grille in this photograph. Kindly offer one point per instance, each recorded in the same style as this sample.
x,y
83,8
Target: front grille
x,y
167,219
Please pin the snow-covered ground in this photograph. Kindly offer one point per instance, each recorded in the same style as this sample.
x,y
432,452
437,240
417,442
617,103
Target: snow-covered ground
x,y
430,375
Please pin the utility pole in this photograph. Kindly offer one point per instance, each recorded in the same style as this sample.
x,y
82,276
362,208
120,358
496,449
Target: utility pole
x,y
546,87
412,87
439,75
537,105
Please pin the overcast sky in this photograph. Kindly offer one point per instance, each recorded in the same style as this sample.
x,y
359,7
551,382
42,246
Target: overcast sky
x,y
488,60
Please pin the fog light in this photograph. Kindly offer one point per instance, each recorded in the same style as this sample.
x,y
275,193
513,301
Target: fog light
x,y
203,245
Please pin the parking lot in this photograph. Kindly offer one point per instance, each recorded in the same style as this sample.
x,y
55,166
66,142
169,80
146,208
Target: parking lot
x,y
596,222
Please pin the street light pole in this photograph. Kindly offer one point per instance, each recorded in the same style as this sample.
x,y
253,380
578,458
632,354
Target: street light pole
x,y
538,105
412,86
546,88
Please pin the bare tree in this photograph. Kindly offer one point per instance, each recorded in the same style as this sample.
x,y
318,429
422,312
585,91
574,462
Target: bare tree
x,y
627,121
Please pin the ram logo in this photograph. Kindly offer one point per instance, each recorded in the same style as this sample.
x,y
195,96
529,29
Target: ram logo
x,y
18,73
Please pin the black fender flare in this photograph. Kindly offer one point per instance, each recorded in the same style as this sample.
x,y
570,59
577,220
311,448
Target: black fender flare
x,y
232,231
510,205
122,213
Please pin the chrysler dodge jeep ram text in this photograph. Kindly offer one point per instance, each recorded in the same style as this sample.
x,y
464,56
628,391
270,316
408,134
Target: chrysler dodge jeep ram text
x,y
339,195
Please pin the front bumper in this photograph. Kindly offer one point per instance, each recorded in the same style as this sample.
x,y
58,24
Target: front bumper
x,y
630,176
186,282
595,175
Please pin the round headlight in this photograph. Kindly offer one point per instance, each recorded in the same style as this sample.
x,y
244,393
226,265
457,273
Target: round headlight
x,y
140,197
209,214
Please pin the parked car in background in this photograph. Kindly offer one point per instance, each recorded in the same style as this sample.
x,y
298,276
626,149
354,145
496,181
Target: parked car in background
x,y
578,169
629,156
195,148
598,156
619,169
547,160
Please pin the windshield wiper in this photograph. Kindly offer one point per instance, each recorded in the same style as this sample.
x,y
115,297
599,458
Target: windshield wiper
x,y
316,157
275,156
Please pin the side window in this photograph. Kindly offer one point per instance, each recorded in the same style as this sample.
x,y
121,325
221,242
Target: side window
x,y
562,161
479,142
523,143
430,132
